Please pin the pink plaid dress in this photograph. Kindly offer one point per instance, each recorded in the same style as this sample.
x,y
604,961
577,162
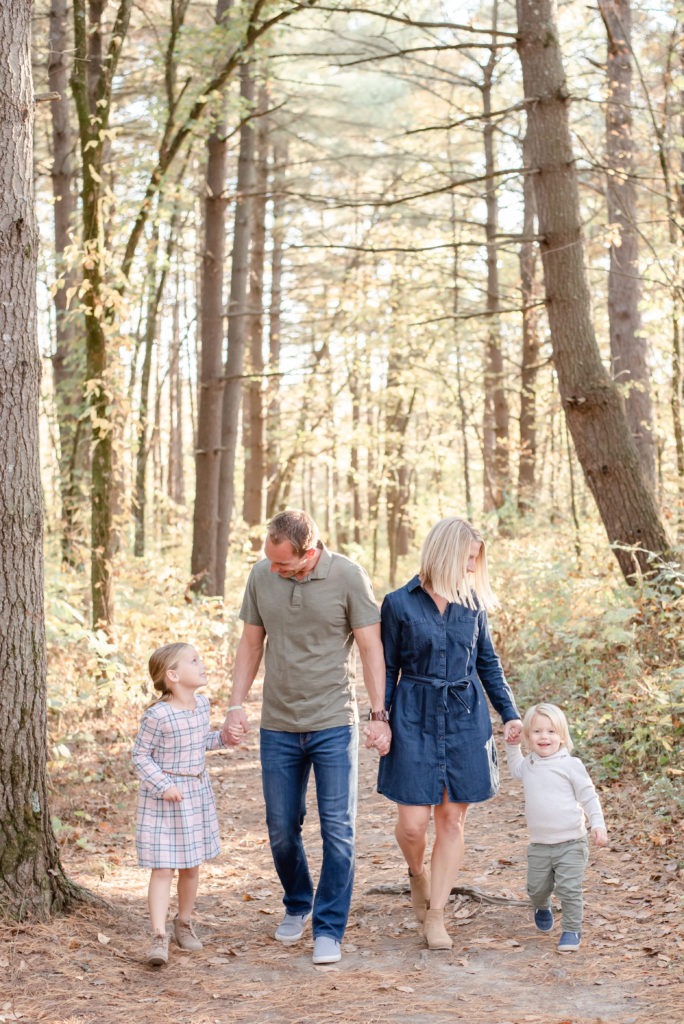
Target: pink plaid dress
x,y
169,751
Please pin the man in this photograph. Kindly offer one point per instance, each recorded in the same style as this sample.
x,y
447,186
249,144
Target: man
x,y
312,605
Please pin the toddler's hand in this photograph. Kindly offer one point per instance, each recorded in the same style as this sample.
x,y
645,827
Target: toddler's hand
x,y
172,794
513,731
600,836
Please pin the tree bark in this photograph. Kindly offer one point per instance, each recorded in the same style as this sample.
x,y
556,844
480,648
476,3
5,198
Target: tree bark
x,y
629,350
530,349
31,878
591,400
253,425
67,359
274,328
496,417
237,328
92,82
208,443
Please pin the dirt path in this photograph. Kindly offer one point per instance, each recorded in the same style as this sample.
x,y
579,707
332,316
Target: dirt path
x,y
88,968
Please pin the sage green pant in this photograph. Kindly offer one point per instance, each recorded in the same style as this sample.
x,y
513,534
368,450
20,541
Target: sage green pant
x,y
558,867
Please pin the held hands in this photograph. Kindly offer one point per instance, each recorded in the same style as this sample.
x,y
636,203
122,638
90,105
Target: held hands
x,y
235,727
513,731
379,736
172,795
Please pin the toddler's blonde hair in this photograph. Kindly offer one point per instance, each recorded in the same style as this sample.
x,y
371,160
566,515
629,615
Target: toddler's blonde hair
x,y
555,716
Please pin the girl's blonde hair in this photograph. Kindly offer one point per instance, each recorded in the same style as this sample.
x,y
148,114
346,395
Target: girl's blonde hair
x,y
164,660
444,564
555,716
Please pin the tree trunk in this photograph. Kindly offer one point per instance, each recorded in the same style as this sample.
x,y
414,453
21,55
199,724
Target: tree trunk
x,y
67,359
31,878
208,444
237,328
397,420
591,401
154,294
253,414
627,345
274,327
495,426
530,349
92,81
175,478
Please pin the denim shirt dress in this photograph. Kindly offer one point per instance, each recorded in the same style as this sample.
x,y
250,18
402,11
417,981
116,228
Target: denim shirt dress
x,y
439,668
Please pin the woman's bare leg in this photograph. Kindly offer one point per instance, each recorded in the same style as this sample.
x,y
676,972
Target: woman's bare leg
x,y
448,851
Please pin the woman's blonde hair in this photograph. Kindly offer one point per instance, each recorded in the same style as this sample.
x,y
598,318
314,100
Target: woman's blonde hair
x,y
444,564
555,716
164,660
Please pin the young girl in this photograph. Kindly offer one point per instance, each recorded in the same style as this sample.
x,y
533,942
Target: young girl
x,y
558,793
176,826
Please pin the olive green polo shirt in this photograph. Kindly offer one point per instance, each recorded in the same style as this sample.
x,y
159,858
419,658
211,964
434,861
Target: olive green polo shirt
x,y
309,681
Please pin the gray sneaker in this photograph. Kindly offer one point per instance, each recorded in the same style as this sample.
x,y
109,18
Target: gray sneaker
x,y
291,928
326,950
158,953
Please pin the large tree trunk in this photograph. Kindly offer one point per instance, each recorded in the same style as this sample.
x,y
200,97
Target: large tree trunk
x,y
67,359
237,328
274,328
591,401
530,349
253,412
495,424
627,345
92,83
31,878
210,400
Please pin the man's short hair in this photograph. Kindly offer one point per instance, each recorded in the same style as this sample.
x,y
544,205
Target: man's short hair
x,y
297,527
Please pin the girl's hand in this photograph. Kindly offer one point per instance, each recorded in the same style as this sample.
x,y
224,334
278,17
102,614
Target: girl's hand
x,y
513,731
235,727
172,794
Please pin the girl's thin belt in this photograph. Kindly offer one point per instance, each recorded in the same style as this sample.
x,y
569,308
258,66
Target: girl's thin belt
x,y
185,775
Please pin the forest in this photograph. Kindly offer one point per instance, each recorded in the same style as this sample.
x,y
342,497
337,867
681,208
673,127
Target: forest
x,y
384,262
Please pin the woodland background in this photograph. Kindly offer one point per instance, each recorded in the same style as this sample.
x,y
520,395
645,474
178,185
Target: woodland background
x,y
291,254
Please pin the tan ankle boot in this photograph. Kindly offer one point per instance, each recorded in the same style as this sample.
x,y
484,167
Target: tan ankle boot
x,y
435,933
420,893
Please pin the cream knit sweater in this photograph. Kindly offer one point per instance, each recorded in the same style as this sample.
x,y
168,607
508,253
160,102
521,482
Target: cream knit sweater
x,y
558,792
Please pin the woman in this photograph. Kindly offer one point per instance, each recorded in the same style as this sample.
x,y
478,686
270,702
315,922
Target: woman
x,y
440,663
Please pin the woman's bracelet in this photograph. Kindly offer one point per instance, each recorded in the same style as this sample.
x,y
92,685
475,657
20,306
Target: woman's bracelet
x,y
235,707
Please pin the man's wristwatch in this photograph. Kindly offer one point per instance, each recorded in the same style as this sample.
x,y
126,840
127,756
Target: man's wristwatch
x,y
378,716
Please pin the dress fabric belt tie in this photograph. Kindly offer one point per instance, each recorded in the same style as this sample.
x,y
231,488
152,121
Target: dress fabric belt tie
x,y
455,686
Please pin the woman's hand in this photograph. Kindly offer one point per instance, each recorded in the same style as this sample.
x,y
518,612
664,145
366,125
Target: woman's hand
x,y
512,731
379,736
172,794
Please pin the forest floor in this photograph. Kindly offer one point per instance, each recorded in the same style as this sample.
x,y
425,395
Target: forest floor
x,y
89,967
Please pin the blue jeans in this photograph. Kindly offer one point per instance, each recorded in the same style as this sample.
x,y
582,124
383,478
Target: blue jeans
x,y
286,762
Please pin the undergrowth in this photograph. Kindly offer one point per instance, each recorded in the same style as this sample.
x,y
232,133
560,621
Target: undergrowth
x,y
611,655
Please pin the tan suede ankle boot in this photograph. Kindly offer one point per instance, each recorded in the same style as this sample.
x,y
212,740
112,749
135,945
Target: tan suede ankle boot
x,y
435,933
420,893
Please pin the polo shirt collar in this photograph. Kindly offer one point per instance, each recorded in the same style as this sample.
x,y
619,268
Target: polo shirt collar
x,y
322,568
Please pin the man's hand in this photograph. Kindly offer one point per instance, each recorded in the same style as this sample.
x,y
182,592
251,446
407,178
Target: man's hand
x,y
379,736
235,727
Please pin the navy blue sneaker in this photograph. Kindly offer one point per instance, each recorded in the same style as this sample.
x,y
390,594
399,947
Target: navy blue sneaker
x,y
569,942
543,918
